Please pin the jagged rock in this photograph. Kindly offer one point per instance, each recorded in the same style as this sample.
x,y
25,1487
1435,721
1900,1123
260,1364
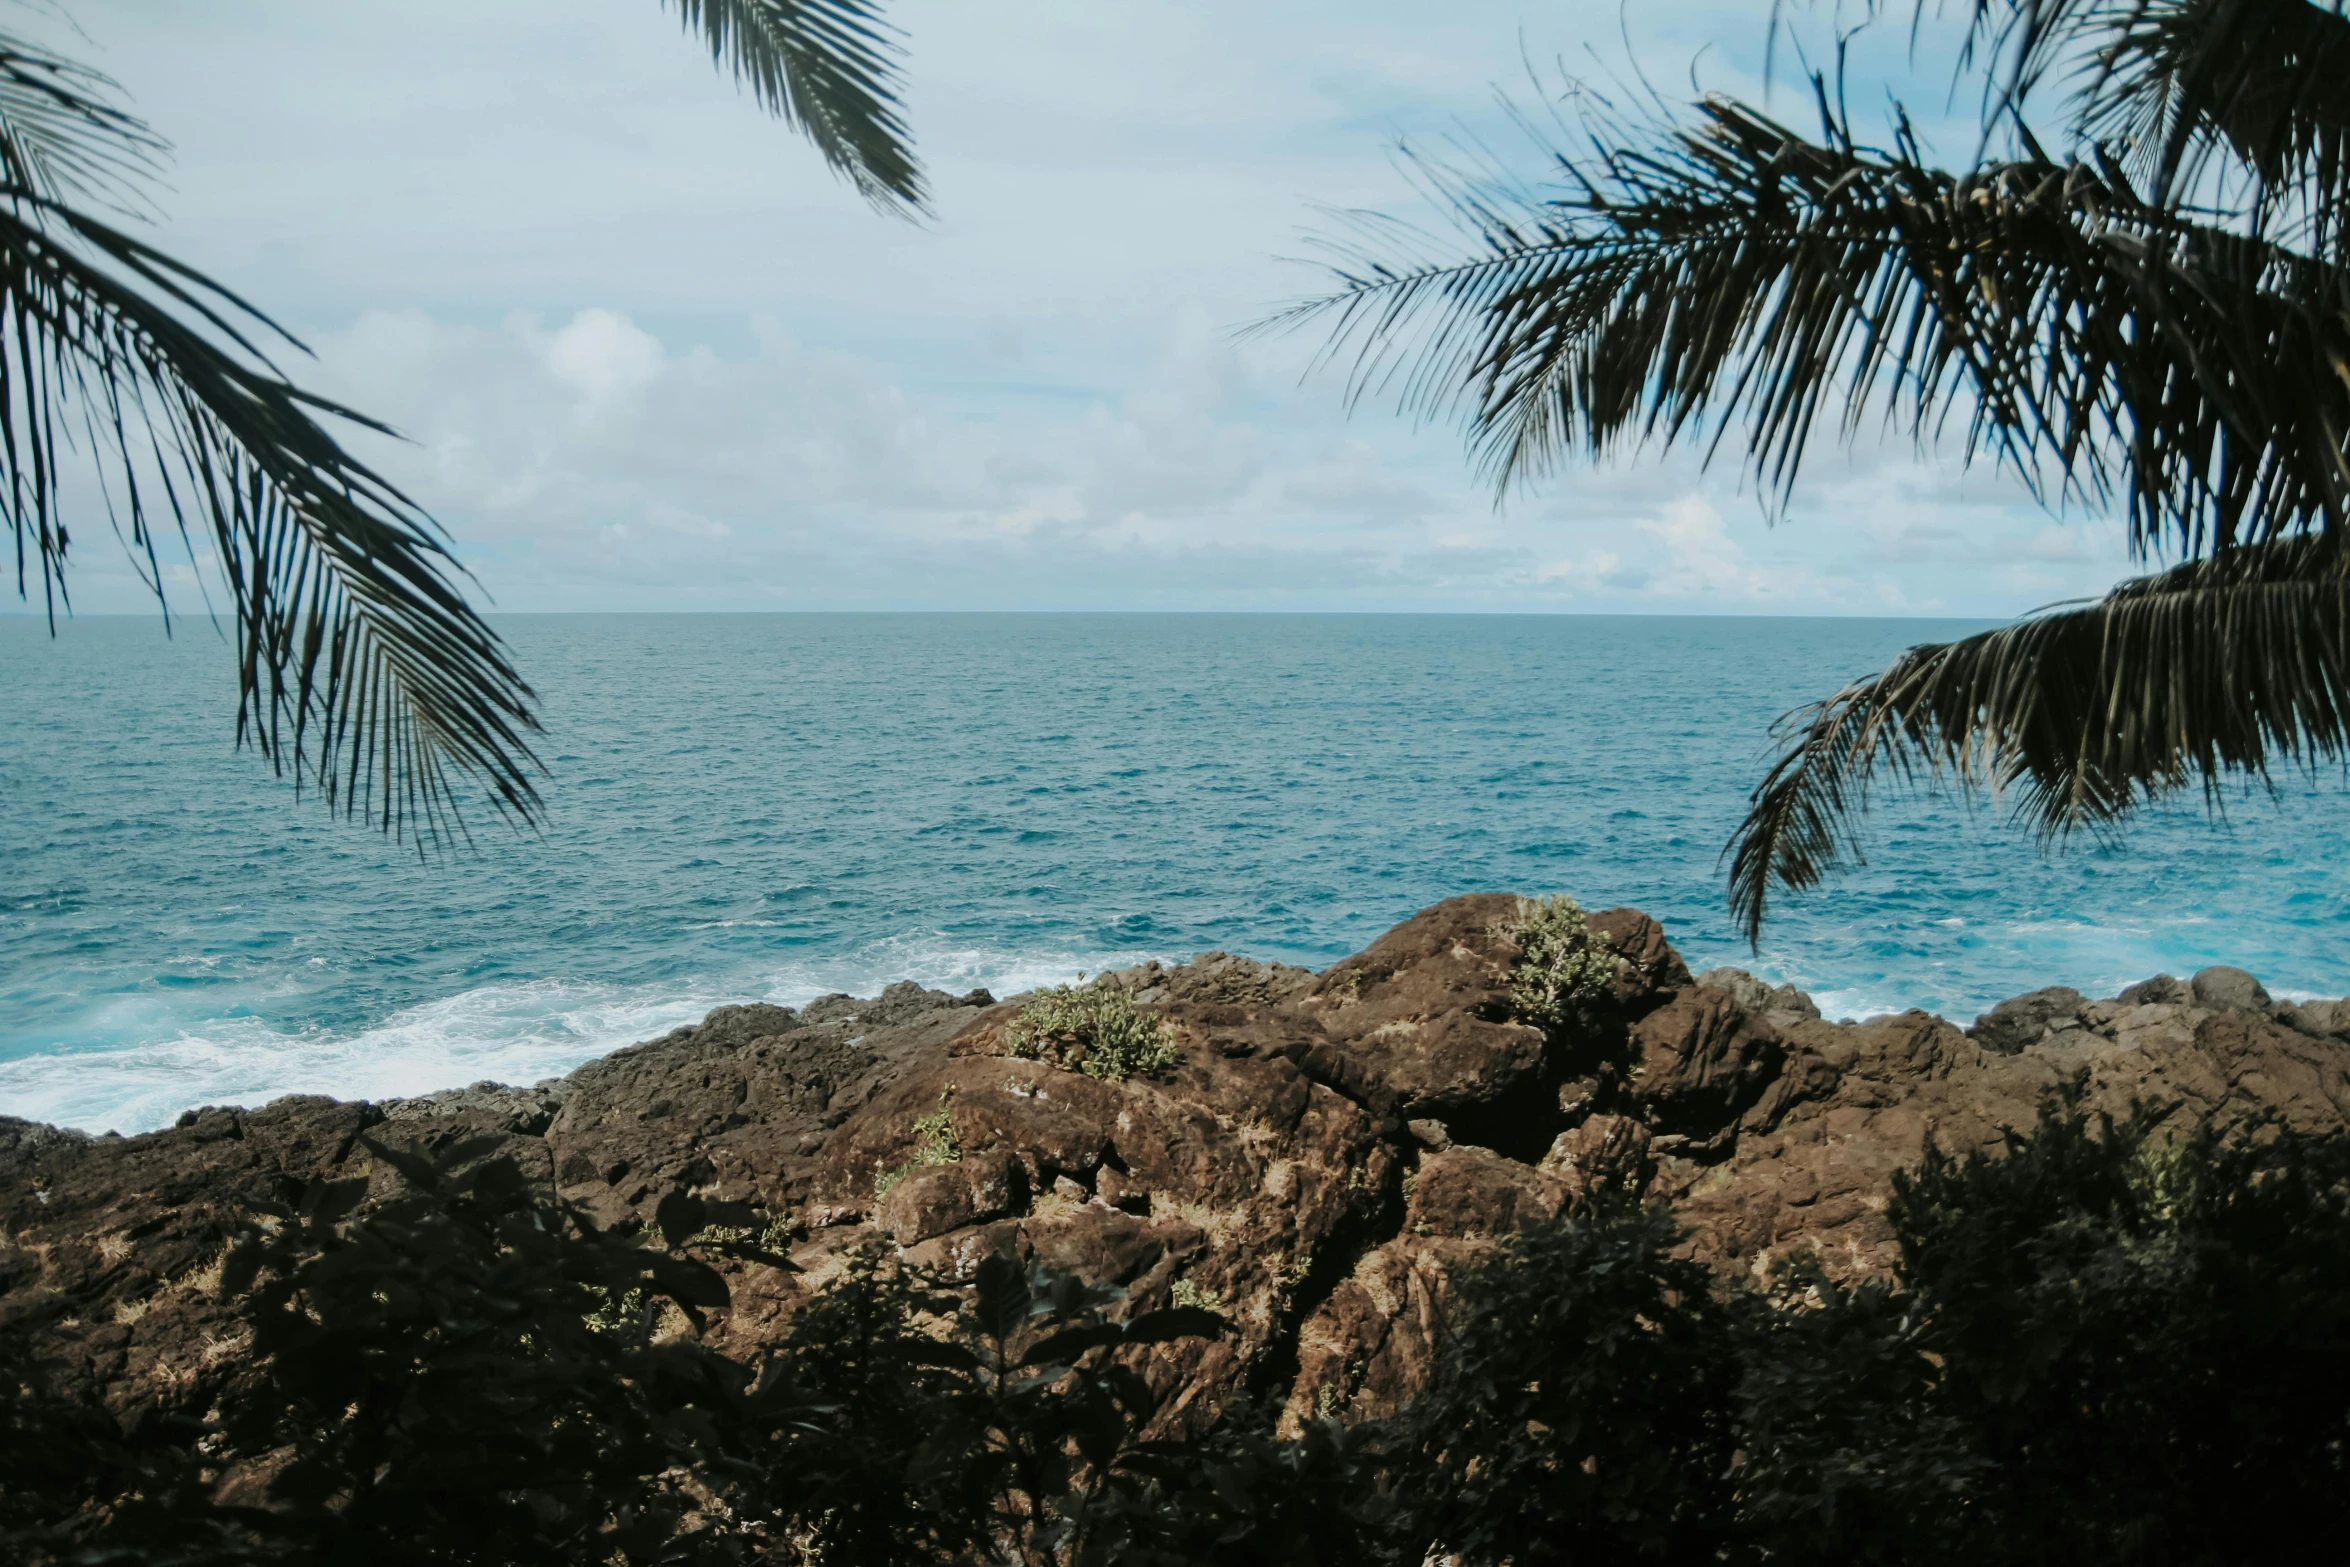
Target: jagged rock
x,y
1322,1158
943,1197
738,1105
114,1242
1424,1011
1699,1061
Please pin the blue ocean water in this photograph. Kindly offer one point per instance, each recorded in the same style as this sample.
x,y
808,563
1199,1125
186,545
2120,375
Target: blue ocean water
x,y
749,807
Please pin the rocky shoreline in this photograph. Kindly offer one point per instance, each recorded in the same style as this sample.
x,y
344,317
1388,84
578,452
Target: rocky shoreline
x,y
1324,1152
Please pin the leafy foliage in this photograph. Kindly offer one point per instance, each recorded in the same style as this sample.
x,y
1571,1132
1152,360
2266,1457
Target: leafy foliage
x,y
934,1144
2114,1341
1096,1029
2151,317
1562,968
362,671
1582,1409
2146,1337
451,1380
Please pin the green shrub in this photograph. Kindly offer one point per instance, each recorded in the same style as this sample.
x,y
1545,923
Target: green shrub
x,y
1097,1029
1186,1293
934,1144
1562,968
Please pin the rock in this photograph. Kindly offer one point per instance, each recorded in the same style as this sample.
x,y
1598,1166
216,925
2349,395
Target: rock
x,y
2011,1025
1756,996
1606,1150
2225,989
1324,1156
2319,1019
1648,970
1424,1011
1700,1060
945,1197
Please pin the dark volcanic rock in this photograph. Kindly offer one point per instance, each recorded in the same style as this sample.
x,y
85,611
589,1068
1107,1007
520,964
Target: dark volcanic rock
x,y
2013,1024
1321,1158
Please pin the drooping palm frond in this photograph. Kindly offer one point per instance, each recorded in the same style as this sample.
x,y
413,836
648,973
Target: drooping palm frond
x,y
363,672
1692,279
2076,715
829,68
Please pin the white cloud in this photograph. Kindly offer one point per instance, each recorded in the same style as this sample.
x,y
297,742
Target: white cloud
x,y
604,356
651,355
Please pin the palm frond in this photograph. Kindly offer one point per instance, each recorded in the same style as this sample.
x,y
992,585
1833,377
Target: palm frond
x,y
62,134
2198,86
830,69
1687,279
2078,715
363,672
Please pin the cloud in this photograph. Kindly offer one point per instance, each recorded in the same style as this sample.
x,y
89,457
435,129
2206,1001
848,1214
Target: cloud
x,y
649,354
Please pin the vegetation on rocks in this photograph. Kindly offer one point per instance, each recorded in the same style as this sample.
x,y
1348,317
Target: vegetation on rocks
x,y
1563,965
934,1144
1094,1029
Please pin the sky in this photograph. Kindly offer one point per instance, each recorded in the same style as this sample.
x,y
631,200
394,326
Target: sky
x,y
648,354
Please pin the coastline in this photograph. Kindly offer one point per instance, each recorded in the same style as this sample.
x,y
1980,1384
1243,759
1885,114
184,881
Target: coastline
x,y
1319,1149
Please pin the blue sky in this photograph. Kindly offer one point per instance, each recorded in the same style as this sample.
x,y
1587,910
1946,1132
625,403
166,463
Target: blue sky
x,y
651,356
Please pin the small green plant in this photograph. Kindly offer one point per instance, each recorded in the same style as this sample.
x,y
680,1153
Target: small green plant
x,y
934,1144
1186,1293
1563,966
1097,1030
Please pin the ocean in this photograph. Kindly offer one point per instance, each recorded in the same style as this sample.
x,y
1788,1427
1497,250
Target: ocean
x,y
779,806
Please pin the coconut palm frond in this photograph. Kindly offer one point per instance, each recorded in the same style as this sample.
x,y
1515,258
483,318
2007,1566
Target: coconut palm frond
x,y
2208,87
363,672
830,69
62,134
2076,716
1696,278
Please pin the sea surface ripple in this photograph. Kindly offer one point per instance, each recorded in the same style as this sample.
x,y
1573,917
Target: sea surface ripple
x,y
778,806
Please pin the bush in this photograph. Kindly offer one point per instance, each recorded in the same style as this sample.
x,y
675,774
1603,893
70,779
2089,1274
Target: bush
x,y
1562,968
1096,1028
2104,1344
2146,1336
1582,1408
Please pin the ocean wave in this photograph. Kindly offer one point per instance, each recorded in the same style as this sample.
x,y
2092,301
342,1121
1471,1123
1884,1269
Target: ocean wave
x,y
138,1069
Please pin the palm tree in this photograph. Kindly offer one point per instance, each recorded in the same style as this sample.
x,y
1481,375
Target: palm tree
x,y
363,671
2138,297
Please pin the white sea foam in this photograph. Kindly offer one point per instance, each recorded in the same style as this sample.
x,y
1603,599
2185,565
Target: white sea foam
x,y
143,1067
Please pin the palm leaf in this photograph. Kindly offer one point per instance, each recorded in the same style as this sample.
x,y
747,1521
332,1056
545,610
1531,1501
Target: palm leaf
x,y
363,673
1693,279
2077,715
62,135
2205,89
828,68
